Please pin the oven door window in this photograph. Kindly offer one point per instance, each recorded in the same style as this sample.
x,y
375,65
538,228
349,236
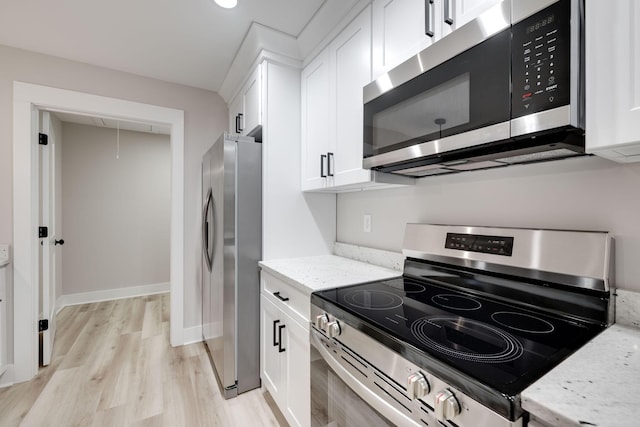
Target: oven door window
x,y
334,404
469,91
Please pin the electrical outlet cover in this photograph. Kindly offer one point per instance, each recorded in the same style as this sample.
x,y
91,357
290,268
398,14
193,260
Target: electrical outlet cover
x,y
4,251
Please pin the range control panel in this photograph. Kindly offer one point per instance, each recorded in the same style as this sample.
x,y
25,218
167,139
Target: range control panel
x,y
496,245
541,60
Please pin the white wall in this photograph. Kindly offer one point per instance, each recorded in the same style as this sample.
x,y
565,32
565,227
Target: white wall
x,y
205,119
115,212
586,193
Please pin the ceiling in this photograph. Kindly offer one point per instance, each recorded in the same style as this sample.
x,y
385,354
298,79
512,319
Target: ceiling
x,y
191,42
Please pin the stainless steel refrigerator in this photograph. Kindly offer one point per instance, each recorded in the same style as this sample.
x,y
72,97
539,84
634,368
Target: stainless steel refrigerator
x,y
232,247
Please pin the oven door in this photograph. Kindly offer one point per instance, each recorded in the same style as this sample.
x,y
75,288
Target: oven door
x,y
339,398
462,102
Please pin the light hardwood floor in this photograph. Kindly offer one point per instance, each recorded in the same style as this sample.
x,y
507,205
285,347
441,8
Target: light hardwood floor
x,y
112,365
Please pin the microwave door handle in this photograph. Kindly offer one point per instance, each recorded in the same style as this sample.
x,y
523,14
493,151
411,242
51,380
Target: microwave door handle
x,y
448,15
428,26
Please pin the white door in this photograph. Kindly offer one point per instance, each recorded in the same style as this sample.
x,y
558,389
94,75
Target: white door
x,y
49,265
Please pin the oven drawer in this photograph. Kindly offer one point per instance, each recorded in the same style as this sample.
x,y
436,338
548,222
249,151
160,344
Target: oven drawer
x,y
289,299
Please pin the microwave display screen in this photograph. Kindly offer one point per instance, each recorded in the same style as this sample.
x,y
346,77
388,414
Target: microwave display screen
x,y
431,112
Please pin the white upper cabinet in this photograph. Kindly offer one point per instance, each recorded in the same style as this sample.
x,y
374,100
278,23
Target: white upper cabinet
x,y
402,28
613,80
315,122
332,110
350,64
236,112
456,13
245,111
399,32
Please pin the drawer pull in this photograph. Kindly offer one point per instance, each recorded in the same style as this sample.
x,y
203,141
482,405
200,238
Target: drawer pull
x,y
280,297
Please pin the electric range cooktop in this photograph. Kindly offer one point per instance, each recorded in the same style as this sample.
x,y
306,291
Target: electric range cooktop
x,y
498,343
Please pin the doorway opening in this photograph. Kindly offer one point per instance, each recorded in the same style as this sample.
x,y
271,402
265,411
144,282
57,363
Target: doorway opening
x,y
29,99
105,200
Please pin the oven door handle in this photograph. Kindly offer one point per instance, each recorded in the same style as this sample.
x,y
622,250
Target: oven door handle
x,y
360,389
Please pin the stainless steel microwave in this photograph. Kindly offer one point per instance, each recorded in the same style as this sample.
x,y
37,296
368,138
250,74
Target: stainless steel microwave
x,y
507,87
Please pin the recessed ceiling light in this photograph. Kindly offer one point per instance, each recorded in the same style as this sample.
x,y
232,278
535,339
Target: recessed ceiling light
x,y
227,4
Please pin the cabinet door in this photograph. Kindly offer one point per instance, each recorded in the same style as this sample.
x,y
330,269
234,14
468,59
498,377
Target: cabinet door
x,y
298,374
315,122
613,80
399,32
456,13
252,98
235,108
271,318
350,60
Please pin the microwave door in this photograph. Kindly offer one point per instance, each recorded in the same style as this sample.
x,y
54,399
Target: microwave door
x,y
469,92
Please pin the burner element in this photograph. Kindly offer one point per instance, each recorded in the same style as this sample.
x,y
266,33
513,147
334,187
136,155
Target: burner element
x,y
373,299
467,339
456,302
413,288
522,322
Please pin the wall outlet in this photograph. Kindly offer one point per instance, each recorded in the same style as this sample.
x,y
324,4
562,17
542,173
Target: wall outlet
x,y
366,222
4,251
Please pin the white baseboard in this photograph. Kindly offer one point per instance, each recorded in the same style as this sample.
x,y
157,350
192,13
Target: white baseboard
x,y
192,335
110,294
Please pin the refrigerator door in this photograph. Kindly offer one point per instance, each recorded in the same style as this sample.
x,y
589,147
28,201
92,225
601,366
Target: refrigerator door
x,y
208,327
234,289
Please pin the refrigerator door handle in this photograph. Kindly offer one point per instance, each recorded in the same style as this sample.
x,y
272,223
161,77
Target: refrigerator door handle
x,y
207,245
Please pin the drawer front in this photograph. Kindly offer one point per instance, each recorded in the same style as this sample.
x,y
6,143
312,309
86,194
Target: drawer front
x,y
291,300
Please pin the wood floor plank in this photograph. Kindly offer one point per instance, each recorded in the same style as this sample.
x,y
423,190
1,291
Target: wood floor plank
x,y
113,365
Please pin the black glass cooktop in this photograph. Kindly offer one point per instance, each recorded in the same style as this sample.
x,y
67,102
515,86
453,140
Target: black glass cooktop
x,y
499,344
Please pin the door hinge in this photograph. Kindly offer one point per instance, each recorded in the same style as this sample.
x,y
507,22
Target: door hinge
x,y
43,232
43,325
43,139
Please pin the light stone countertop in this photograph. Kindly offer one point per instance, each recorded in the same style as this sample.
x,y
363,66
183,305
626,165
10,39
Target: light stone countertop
x,y
599,385
309,274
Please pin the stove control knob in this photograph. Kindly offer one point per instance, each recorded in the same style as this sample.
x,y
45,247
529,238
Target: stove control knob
x,y
446,405
333,329
417,386
321,321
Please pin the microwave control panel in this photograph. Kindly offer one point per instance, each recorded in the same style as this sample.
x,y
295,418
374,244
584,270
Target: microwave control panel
x,y
541,53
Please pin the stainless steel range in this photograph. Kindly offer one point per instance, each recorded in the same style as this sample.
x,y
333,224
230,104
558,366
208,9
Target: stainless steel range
x,y
478,315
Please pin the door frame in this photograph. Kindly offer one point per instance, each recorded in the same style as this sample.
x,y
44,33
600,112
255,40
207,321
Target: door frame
x,y
27,100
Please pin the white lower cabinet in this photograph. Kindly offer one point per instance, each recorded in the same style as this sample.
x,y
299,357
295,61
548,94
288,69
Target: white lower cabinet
x,y
285,358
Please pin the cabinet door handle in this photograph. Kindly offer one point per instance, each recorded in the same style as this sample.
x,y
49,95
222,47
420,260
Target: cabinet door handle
x,y
322,157
448,15
280,348
280,297
428,27
275,341
241,120
329,162
237,123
